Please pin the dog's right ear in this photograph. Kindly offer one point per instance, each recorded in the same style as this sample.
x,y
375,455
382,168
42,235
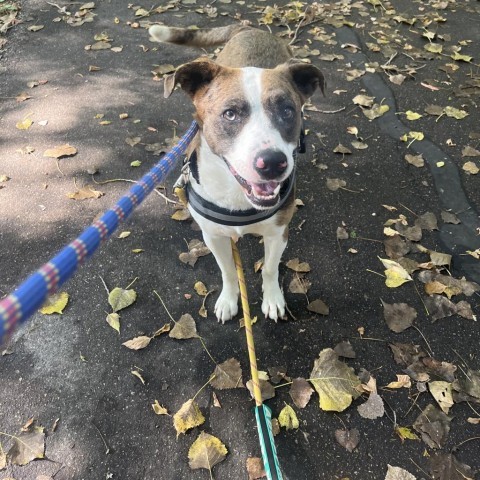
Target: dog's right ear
x,y
191,76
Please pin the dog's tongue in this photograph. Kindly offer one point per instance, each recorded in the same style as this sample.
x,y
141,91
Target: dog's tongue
x,y
265,189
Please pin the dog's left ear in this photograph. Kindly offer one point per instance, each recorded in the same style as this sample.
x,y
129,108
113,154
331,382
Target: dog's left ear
x,y
191,76
306,77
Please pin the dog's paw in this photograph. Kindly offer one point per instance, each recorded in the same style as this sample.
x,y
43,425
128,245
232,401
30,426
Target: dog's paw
x,y
273,305
227,305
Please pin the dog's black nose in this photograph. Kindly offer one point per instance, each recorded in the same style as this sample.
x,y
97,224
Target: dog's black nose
x,y
270,164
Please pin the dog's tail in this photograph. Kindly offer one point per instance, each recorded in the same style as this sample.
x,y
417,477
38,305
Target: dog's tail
x,y
202,37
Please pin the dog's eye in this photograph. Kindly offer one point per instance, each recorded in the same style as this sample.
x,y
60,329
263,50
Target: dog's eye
x,y
288,113
230,115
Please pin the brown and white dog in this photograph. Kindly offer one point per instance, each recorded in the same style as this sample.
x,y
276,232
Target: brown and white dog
x,y
249,109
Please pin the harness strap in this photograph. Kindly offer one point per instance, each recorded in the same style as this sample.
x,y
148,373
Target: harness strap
x,y
236,218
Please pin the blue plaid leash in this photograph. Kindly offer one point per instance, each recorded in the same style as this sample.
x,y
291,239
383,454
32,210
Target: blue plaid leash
x,y
17,307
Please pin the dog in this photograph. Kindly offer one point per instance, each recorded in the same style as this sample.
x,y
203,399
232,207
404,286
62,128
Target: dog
x,y
248,105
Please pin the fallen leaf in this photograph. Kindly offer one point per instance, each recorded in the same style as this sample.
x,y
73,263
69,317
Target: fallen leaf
x,y
124,234
85,193
200,288
348,438
341,149
398,316
299,285
24,124
135,163
470,152
403,381
363,100
444,466
397,79
442,393
373,408
395,273
455,113
137,343
450,217
471,168
345,349
113,319
206,452
297,266
60,151
267,390
188,417
440,307
196,249
433,425
334,184
132,141
405,434
396,247
463,58
27,446
288,418
120,298
21,97
427,221
55,303
181,215
397,473
359,145
376,111
185,328
412,115
433,47
318,306
255,468
227,375
300,392
334,381
158,409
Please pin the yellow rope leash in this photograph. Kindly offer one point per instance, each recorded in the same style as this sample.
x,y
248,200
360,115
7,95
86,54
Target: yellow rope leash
x,y
248,324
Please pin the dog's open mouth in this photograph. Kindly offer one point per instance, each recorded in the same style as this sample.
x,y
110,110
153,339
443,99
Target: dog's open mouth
x,y
262,194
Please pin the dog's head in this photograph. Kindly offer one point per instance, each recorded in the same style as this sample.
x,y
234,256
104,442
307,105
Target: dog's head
x,y
251,118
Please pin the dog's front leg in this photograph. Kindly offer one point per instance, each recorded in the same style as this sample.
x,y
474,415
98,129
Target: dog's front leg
x,y
273,304
227,303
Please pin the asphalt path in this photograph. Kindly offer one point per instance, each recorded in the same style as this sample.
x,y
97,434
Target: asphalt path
x,y
73,367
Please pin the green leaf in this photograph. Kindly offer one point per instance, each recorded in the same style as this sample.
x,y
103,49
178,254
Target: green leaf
x,y
119,298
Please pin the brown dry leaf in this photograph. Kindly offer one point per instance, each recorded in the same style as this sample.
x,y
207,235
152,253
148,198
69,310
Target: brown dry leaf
x,y
132,141
334,381
299,285
60,151
196,249
266,388
227,375
318,306
200,288
342,233
373,408
345,349
300,391
21,97
470,152
28,446
444,466
181,215
432,288
473,420
396,247
255,468
440,307
188,417
137,343
397,473
359,145
86,192
450,217
341,149
471,168
433,425
442,393
334,184
348,438
206,452
398,316
184,329
297,266
415,160
468,386
397,79
427,221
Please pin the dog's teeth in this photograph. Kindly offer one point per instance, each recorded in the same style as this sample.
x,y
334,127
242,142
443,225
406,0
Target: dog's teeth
x,y
275,192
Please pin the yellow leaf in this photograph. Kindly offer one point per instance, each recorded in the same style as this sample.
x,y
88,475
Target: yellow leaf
x,y
433,47
405,433
200,288
113,319
189,416
119,298
24,124
158,409
459,57
412,115
376,111
442,393
206,451
471,168
137,250
395,273
137,374
55,303
403,381
334,381
181,215
455,113
124,234
288,418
